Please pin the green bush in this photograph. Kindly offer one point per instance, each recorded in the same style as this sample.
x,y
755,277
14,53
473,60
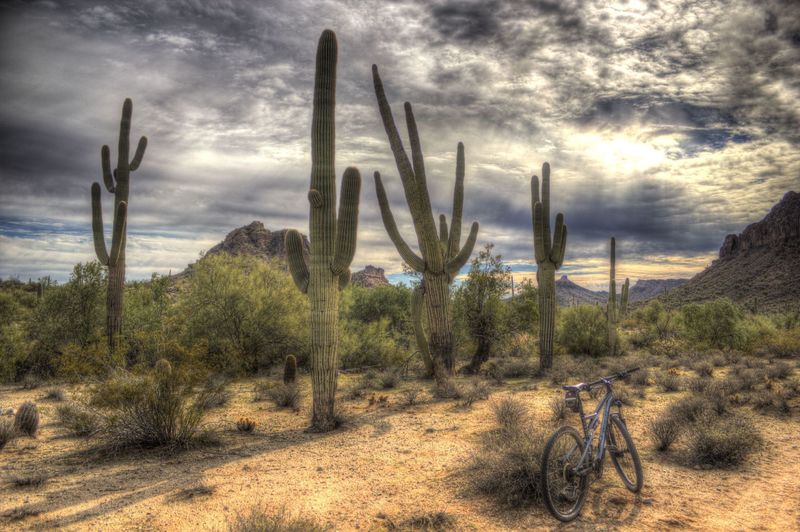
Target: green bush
x,y
721,324
369,344
583,331
387,302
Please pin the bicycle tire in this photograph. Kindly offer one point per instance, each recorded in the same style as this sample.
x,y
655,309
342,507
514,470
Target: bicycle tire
x,y
618,425
553,470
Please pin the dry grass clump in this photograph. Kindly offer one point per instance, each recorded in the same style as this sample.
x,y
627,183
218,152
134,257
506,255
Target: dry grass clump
x,y
120,389
214,394
507,465
34,480
260,520
668,381
722,441
409,396
54,394
428,522
79,420
558,409
664,431
779,370
285,395
476,390
448,389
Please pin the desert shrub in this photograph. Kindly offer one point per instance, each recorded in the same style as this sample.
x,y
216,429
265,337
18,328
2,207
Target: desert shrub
x,y
79,420
689,409
703,368
476,390
664,430
779,370
285,395
697,384
668,381
246,310
388,379
409,396
523,309
214,393
427,521
720,324
260,520
162,415
7,432
659,322
387,302
623,394
583,331
774,402
14,349
558,409
516,367
718,393
507,465
120,389
33,480
784,343
147,317
447,389
26,419
639,378
722,441
370,344
31,381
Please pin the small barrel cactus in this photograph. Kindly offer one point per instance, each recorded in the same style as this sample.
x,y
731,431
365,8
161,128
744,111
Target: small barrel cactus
x,y
245,424
27,419
290,369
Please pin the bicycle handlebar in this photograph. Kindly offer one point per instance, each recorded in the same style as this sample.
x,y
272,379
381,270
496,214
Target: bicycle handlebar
x,y
620,375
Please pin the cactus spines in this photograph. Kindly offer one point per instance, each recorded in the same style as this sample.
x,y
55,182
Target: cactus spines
x,y
27,419
333,238
290,369
549,257
441,255
116,182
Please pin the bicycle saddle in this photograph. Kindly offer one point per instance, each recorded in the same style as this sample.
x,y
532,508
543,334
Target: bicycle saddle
x,y
575,388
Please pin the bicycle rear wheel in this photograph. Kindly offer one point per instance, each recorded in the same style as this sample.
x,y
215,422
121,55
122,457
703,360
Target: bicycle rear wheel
x,y
563,490
624,455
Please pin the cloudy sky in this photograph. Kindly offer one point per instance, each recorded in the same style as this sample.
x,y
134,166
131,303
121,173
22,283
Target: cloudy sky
x,y
668,124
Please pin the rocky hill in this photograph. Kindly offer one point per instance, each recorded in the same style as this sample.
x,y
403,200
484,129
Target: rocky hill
x,y
759,268
645,289
256,240
569,293
369,277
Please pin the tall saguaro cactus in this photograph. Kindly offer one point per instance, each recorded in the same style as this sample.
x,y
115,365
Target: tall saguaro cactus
x,y
623,298
333,238
549,257
441,255
117,183
611,308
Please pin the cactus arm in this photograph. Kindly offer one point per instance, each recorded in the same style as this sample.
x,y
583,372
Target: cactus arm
x,y
347,222
461,258
560,254
97,226
538,233
105,161
344,279
443,234
297,261
417,298
546,207
413,260
458,204
118,234
139,155
558,234
315,198
124,139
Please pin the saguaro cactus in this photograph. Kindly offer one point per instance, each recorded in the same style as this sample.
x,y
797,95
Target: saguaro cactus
x,y
117,183
441,253
333,238
549,257
623,298
611,307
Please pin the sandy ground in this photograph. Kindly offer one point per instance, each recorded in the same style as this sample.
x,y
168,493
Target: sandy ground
x,y
389,463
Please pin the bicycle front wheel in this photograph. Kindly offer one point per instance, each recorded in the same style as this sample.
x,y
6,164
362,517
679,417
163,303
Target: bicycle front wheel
x,y
563,490
624,455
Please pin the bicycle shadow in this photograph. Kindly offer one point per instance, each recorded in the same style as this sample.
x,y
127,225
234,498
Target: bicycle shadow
x,y
614,505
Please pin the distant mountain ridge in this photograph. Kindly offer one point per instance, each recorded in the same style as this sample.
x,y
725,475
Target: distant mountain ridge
x,y
758,268
569,293
645,289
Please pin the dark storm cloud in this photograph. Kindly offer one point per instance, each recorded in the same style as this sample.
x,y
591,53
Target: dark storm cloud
x,y
668,125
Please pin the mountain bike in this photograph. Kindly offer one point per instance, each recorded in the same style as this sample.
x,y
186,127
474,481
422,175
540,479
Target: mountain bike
x,y
569,459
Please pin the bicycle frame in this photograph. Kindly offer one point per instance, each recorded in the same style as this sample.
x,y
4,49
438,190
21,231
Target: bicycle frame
x,y
589,424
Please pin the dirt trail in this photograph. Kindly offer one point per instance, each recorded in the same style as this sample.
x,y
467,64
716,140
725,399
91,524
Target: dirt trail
x,y
389,463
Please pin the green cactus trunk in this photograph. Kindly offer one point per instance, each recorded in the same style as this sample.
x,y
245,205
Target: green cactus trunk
x,y
549,258
333,239
611,309
117,183
441,253
417,314
623,298
546,279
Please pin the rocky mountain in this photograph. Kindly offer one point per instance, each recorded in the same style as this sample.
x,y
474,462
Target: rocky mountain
x,y
256,240
369,277
569,293
645,289
759,268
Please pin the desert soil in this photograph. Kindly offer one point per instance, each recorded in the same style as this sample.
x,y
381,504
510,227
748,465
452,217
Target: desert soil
x,y
387,464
